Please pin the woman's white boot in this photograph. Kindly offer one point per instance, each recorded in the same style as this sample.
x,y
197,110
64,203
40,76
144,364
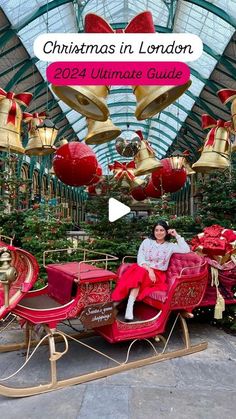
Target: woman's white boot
x,y
129,309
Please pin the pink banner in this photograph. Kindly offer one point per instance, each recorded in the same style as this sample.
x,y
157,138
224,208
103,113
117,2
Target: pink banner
x,y
118,73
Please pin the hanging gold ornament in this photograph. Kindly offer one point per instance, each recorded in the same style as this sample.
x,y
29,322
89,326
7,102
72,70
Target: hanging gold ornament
x,y
100,132
153,99
188,169
10,120
145,160
216,149
87,100
38,145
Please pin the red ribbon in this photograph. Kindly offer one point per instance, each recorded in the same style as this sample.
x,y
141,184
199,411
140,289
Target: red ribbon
x,y
29,117
140,134
209,122
21,98
226,95
142,23
149,148
123,170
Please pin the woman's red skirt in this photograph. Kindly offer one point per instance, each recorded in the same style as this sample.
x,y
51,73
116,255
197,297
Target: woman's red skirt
x,y
135,276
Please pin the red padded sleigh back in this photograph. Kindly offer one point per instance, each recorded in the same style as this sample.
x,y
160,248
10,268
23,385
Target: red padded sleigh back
x,y
27,273
180,263
184,264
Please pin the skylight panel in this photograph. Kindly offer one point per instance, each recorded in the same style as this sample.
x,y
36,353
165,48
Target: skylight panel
x,y
186,101
204,65
17,10
118,109
62,104
82,134
60,19
196,86
167,130
229,6
77,126
195,19
72,116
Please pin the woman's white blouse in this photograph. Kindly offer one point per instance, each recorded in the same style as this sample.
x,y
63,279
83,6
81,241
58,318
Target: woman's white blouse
x,y
157,256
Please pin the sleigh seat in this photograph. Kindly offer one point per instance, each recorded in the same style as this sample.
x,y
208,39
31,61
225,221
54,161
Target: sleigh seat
x,y
71,287
186,279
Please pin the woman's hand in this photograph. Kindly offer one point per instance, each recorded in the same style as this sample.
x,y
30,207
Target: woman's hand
x,y
152,275
172,232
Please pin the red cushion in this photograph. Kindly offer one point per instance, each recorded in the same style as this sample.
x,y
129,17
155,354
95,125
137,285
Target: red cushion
x,y
87,272
61,278
191,261
178,261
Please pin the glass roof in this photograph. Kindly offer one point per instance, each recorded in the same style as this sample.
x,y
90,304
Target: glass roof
x,y
213,21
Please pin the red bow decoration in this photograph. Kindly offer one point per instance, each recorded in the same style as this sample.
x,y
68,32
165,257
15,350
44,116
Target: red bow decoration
x,y
123,170
21,98
209,122
142,23
29,117
226,95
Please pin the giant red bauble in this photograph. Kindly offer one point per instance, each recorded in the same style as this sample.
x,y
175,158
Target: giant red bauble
x,y
98,175
152,191
138,193
75,164
170,179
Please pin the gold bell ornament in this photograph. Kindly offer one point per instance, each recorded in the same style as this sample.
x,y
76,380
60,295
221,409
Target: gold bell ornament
x,y
87,100
177,159
215,153
145,160
10,120
153,99
188,168
37,145
186,164
100,132
226,96
137,181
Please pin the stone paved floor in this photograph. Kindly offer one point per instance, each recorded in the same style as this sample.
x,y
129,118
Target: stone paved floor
x,y
198,386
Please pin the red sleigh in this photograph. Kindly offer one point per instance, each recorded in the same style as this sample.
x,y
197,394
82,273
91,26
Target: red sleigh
x,y
83,291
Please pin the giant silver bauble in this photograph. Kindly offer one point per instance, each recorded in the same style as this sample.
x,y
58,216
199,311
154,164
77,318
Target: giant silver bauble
x,y
128,144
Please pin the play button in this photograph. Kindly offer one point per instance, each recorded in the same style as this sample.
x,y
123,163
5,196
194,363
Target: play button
x,y
117,209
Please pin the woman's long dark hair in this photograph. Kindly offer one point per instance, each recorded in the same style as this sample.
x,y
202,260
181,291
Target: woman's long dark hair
x,y
163,224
